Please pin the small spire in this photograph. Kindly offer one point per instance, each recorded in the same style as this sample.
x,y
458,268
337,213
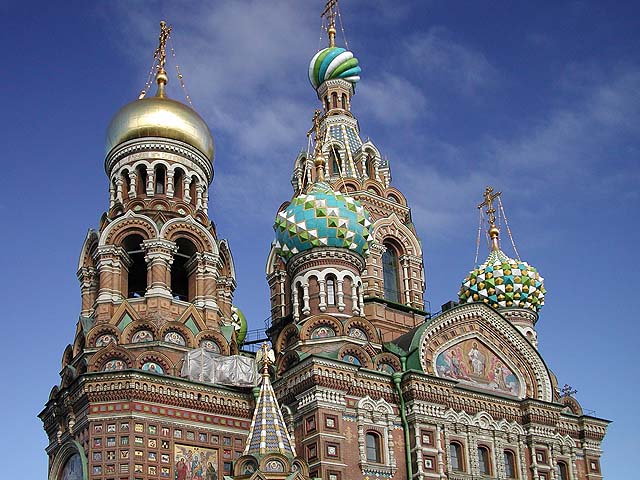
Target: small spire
x,y
330,10
268,432
161,56
318,160
494,232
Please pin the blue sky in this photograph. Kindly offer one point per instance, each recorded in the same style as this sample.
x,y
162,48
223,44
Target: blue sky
x,y
540,100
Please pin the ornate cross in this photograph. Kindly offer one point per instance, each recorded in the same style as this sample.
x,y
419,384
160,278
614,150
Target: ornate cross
x,y
161,52
489,197
568,390
330,10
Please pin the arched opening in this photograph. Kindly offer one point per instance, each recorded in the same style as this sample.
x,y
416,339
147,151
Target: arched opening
x,y
178,183
484,463
334,161
331,290
126,184
182,286
141,185
374,450
455,454
160,177
136,285
192,190
344,101
509,464
369,166
390,275
334,100
300,295
563,471
326,103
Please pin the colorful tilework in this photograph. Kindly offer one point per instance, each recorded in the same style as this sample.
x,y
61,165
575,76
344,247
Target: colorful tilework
x,y
503,282
319,218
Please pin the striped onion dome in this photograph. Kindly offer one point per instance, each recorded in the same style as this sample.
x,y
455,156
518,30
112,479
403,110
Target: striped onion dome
x,y
333,62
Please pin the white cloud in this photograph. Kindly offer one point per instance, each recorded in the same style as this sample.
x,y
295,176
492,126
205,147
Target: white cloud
x,y
391,99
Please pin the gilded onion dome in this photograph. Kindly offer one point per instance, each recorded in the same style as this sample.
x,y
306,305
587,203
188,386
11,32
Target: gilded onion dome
x,y
160,116
322,218
333,62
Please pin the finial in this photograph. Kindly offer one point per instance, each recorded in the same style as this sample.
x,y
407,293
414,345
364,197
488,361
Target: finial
x,y
494,232
267,358
330,12
161,56
318,160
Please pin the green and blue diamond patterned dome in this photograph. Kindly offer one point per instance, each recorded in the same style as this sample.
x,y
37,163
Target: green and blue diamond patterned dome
x,y
322,217
333,62
503,282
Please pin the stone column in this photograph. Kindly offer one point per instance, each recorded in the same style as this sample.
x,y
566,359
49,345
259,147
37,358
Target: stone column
x,y
170,189
354,298
441,452
199,192
340,294
322,284
203,278
133,183
112,195
159,257
151,177
110,260
186,181
88,277
306,307
119,183
205,200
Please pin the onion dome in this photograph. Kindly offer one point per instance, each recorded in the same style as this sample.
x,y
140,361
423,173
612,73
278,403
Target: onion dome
x,y
239,322
503,282
322,218
333,62
160,116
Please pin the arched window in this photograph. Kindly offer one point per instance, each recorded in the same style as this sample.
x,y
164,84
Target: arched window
x,y
344,101
160,179
141,182
563,471
192,190
457,461
180,282
300,295
334,100
484,463
334,161
178,183
326,103
137,276
126,184
331,290
374,450
370,169
509,464
390,273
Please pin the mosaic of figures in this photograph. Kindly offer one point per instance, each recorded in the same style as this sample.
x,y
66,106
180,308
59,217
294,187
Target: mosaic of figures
x,y
473,363
72,469
195,463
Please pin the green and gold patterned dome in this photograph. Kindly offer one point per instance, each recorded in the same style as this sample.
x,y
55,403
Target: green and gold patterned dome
x,y
503,282
322,217
333,62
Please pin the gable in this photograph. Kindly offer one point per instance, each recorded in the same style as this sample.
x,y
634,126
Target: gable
x,y
506,363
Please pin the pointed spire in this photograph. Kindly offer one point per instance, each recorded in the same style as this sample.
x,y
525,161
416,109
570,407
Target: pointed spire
x,y
494,232
268,433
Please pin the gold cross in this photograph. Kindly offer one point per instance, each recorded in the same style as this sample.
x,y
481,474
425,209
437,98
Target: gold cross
x,y
330,12
161,52
489,197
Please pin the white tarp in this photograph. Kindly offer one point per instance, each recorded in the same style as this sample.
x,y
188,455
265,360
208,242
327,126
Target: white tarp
x,y
206,366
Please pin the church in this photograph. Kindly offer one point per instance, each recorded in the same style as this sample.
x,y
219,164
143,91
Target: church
x,y
353,379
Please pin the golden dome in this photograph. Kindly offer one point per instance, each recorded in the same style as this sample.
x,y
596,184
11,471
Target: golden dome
x,y
163,117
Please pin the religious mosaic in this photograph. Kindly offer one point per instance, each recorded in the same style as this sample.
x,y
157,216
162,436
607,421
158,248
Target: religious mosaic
x,y
195,463
142,336
471,362
72,469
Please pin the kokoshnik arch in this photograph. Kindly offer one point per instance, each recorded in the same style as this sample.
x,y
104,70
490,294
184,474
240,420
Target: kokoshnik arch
x,y
159,383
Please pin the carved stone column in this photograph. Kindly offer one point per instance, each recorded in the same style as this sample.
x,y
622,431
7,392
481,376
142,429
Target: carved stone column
x,y
203,279
159,257
88,277
133,183
170,187
151,177
111,260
